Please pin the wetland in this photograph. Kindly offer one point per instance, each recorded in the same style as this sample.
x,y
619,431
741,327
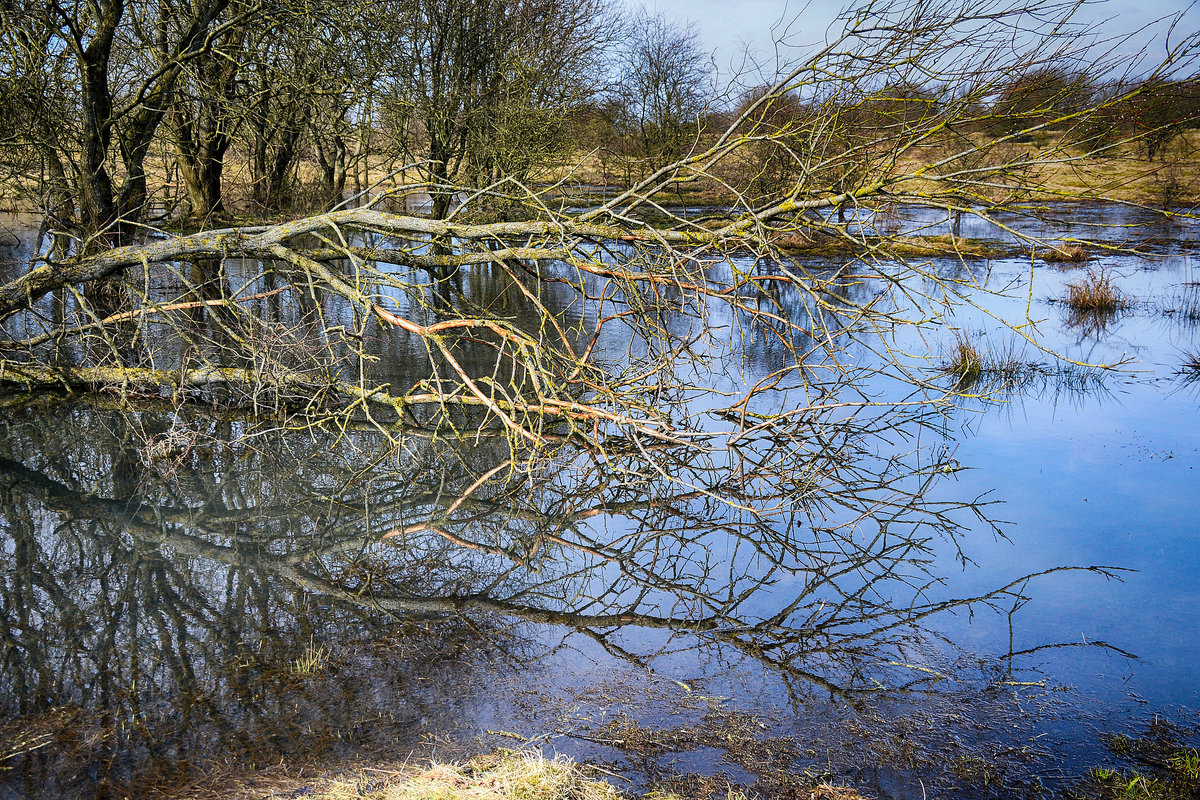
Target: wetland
x,y
968,596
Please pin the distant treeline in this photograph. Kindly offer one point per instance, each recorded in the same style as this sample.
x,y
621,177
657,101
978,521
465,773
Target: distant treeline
x,y
201,109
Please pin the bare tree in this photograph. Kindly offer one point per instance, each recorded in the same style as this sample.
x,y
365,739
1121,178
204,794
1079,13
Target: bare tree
x,y
543,373
282,79
1161,111
483,86
664,87
204,115
100,98
1042,94
591,364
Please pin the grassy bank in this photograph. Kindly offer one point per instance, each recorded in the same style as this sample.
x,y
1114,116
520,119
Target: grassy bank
x,y
504,775
1157,767
1041,168
1044,168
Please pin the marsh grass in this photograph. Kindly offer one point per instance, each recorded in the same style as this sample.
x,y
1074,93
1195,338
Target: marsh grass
x,y
1097,293
519,776
1001,372
1094,303
1166,769
978,771
1184,306
505,776
1066,254
990,370
897,246
1189,370
311,661
964,362
1190,301
1186,763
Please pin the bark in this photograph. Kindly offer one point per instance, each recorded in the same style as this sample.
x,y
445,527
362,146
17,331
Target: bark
x,y
27,289
278,128
332,155
97,200
201,146
204,129
261,242
300,388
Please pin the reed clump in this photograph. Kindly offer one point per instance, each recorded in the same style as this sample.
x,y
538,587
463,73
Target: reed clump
x,y
1097,293
964,362
996,372
1190,369
1184,306
1066,254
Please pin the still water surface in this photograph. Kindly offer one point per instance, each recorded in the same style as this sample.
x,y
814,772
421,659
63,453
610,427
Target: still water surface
x,y
322,597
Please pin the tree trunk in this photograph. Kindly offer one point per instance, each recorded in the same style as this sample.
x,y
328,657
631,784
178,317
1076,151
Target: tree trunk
x,y
332,155
97,203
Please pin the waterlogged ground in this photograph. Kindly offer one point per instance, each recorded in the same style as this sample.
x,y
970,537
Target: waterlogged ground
x,y
182,601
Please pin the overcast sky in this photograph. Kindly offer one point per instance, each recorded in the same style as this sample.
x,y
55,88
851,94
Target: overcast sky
x,y
725,25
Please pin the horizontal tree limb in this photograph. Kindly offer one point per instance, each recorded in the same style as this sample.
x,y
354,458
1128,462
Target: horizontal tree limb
x,y
260,242
32,377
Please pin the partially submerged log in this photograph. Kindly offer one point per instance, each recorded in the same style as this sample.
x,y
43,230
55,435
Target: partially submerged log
x,y
304,389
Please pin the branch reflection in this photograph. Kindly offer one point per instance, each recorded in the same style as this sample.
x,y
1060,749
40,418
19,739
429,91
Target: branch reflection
x,y
175,591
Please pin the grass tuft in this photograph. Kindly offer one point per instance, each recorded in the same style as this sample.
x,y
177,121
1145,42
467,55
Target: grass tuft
x,y
1167,770
1185,763
964,362
507,776
1184,306
1096,294
1066,254
1000,373
1095,303
311,661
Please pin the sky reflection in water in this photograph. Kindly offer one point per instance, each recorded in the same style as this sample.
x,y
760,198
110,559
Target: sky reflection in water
x,y
231,604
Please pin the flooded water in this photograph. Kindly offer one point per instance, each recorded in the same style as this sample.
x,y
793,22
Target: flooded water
x,y
939,597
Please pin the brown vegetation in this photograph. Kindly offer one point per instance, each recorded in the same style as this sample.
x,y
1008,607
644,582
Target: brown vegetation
x,y
509,775
1097,293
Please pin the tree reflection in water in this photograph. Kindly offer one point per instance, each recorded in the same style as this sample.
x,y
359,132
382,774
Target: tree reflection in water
x,y
317,593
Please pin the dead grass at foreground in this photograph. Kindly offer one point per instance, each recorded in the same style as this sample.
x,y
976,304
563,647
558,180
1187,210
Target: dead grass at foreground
x,y
500,776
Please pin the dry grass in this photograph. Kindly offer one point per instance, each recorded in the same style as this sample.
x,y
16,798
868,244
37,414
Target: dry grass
x,y
944,246
1124,175
964,362
1094,303
505,776
1068,254
798,244
509,776
1096,294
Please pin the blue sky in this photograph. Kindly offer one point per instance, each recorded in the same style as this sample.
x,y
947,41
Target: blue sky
x,y
725,25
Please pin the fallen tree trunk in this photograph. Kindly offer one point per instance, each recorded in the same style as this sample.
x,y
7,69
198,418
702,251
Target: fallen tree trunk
x,y
305,388
264,242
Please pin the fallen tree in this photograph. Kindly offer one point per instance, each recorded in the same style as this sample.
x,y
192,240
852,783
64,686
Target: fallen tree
x,y
719,424
591,317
